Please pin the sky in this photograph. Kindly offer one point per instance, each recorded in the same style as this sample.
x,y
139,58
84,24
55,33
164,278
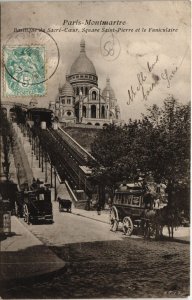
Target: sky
x,y
145,68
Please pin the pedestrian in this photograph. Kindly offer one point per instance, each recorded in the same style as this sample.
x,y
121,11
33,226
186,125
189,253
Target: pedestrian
x,y
87,206
98,208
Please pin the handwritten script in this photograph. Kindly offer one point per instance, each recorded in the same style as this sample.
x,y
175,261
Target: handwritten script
x,y
140,87
110,46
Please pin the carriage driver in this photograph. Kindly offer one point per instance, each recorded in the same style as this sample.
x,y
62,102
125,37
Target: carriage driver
x,y
148,200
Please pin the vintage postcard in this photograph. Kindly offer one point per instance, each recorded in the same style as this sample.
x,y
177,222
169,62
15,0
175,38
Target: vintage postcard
x,y
95,149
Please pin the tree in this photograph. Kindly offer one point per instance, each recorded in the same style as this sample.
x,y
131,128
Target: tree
x,y
159,143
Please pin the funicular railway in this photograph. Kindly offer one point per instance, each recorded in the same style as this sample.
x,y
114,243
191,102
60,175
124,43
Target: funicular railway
x,y
67,157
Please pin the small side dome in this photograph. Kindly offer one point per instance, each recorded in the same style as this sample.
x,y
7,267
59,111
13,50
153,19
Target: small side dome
x,y
108,91
117,108
33,102
67,90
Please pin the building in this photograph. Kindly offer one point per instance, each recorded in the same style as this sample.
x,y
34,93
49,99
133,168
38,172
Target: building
x,y
80,100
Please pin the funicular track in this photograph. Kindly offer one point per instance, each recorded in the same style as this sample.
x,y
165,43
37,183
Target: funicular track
x,y
66,157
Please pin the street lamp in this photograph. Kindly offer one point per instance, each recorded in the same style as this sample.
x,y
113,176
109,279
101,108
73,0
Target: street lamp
x,y
46,160
55,184
31,159
18,170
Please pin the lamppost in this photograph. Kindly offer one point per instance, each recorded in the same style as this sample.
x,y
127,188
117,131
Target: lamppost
x,y
18,171
55,184
46,160
31,159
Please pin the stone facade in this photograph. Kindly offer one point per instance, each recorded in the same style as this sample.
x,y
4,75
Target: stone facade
x,y
80,100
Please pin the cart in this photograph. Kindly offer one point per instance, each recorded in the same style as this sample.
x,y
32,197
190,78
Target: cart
x,y
128,208
64,205
63,198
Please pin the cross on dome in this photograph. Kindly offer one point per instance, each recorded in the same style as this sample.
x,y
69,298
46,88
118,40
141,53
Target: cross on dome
x,y
82,45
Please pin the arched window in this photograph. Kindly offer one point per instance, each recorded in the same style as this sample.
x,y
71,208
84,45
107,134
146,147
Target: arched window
x,y
94,95
93,111
84,111
103,112
97,124
86,90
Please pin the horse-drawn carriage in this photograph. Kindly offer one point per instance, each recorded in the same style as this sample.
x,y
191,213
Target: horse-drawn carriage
x,y
133,206
128,207
34,205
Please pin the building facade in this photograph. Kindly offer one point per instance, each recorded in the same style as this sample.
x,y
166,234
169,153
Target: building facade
x,y
80,100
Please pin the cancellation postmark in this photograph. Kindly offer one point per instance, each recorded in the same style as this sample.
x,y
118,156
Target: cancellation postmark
x,y
30,59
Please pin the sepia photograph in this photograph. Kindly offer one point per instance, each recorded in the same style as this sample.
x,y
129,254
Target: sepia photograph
x,y
95,135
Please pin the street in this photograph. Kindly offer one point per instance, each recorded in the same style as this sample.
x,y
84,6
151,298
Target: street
x,y
69,228
103,264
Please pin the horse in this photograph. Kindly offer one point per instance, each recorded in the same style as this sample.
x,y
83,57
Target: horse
x,y
149,223
154,220
168,216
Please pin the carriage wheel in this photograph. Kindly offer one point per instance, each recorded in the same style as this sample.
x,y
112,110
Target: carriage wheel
x,y
26,214
127,226
114,219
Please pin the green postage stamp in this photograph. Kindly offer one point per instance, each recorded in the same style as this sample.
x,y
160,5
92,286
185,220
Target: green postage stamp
x,y
24,71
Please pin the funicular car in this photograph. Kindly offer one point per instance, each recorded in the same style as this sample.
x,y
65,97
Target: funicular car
x,y
128,207
34,205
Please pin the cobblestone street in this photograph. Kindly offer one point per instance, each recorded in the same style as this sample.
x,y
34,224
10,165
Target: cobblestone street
x,y
102,264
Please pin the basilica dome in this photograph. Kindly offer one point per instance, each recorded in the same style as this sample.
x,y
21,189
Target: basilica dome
x,y
82,64
108,91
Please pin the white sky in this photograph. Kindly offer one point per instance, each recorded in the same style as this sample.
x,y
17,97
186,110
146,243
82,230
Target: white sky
x,y
137,48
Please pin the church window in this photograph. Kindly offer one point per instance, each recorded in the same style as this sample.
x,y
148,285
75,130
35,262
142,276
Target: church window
x,y
77,91
63,101
86,76
86,90
93,111
68,100
69,113
82,90
94,95
84,111
103,112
